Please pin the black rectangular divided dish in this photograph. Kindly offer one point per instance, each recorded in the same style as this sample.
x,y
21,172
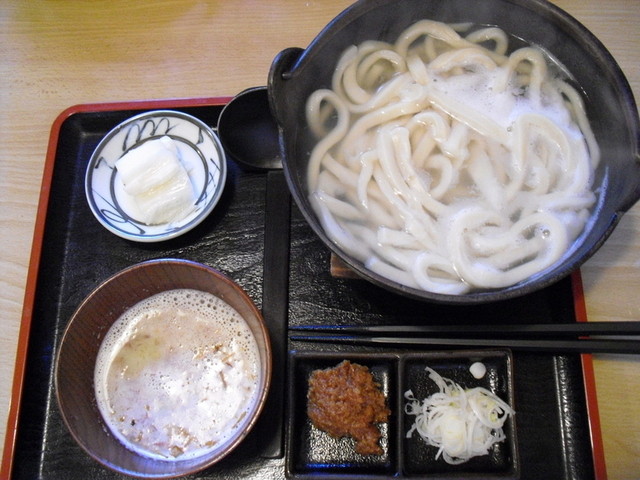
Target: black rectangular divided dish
x,y
553,427
503,460
311,452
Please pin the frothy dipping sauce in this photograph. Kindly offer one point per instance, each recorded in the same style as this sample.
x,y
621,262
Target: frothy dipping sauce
x,y
176,374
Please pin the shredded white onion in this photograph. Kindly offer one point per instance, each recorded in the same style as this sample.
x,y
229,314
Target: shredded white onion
x,y
461,423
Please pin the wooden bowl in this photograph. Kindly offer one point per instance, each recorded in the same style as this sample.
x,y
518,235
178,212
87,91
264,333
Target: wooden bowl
x,y
75,361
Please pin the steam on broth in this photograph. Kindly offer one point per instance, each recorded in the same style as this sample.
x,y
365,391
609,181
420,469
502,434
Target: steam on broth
x,y
446,164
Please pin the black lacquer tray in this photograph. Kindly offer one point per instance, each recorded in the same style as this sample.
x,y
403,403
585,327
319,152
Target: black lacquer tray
x,y
557,426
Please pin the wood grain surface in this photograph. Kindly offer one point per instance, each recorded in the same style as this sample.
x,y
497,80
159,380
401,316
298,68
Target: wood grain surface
x,y
55,54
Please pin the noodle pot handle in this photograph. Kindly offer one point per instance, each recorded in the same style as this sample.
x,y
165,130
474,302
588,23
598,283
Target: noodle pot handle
x,y
629,199
279,74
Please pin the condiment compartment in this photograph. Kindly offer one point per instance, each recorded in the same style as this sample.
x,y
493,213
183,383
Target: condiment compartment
x,y
312,452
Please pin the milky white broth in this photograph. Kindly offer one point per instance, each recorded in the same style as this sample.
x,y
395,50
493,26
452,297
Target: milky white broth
x,y
448,164
176,374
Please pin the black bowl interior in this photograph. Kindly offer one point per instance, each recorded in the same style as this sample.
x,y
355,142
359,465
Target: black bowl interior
x,y
611,108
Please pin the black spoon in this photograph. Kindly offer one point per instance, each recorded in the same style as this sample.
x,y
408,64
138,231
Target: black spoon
x,y
248,131
249,134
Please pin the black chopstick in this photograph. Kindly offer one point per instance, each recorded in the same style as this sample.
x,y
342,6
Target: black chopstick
x,y
274,309
530,345
481,330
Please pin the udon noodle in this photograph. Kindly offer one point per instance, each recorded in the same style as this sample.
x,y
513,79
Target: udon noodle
x,y
445,164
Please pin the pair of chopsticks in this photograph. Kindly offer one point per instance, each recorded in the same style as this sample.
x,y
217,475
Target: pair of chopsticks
x,y
554,338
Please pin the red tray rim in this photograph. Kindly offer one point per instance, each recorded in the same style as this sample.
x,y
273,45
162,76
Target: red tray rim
x,y
36,249
597,446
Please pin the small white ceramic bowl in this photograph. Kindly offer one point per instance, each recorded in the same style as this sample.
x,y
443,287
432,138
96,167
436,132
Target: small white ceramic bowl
x,y
201,153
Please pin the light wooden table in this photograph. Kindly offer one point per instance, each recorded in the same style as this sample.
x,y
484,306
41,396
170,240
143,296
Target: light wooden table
x,y
57,54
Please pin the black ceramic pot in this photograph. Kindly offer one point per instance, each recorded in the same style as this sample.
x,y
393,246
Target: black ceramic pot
x,y
611,108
